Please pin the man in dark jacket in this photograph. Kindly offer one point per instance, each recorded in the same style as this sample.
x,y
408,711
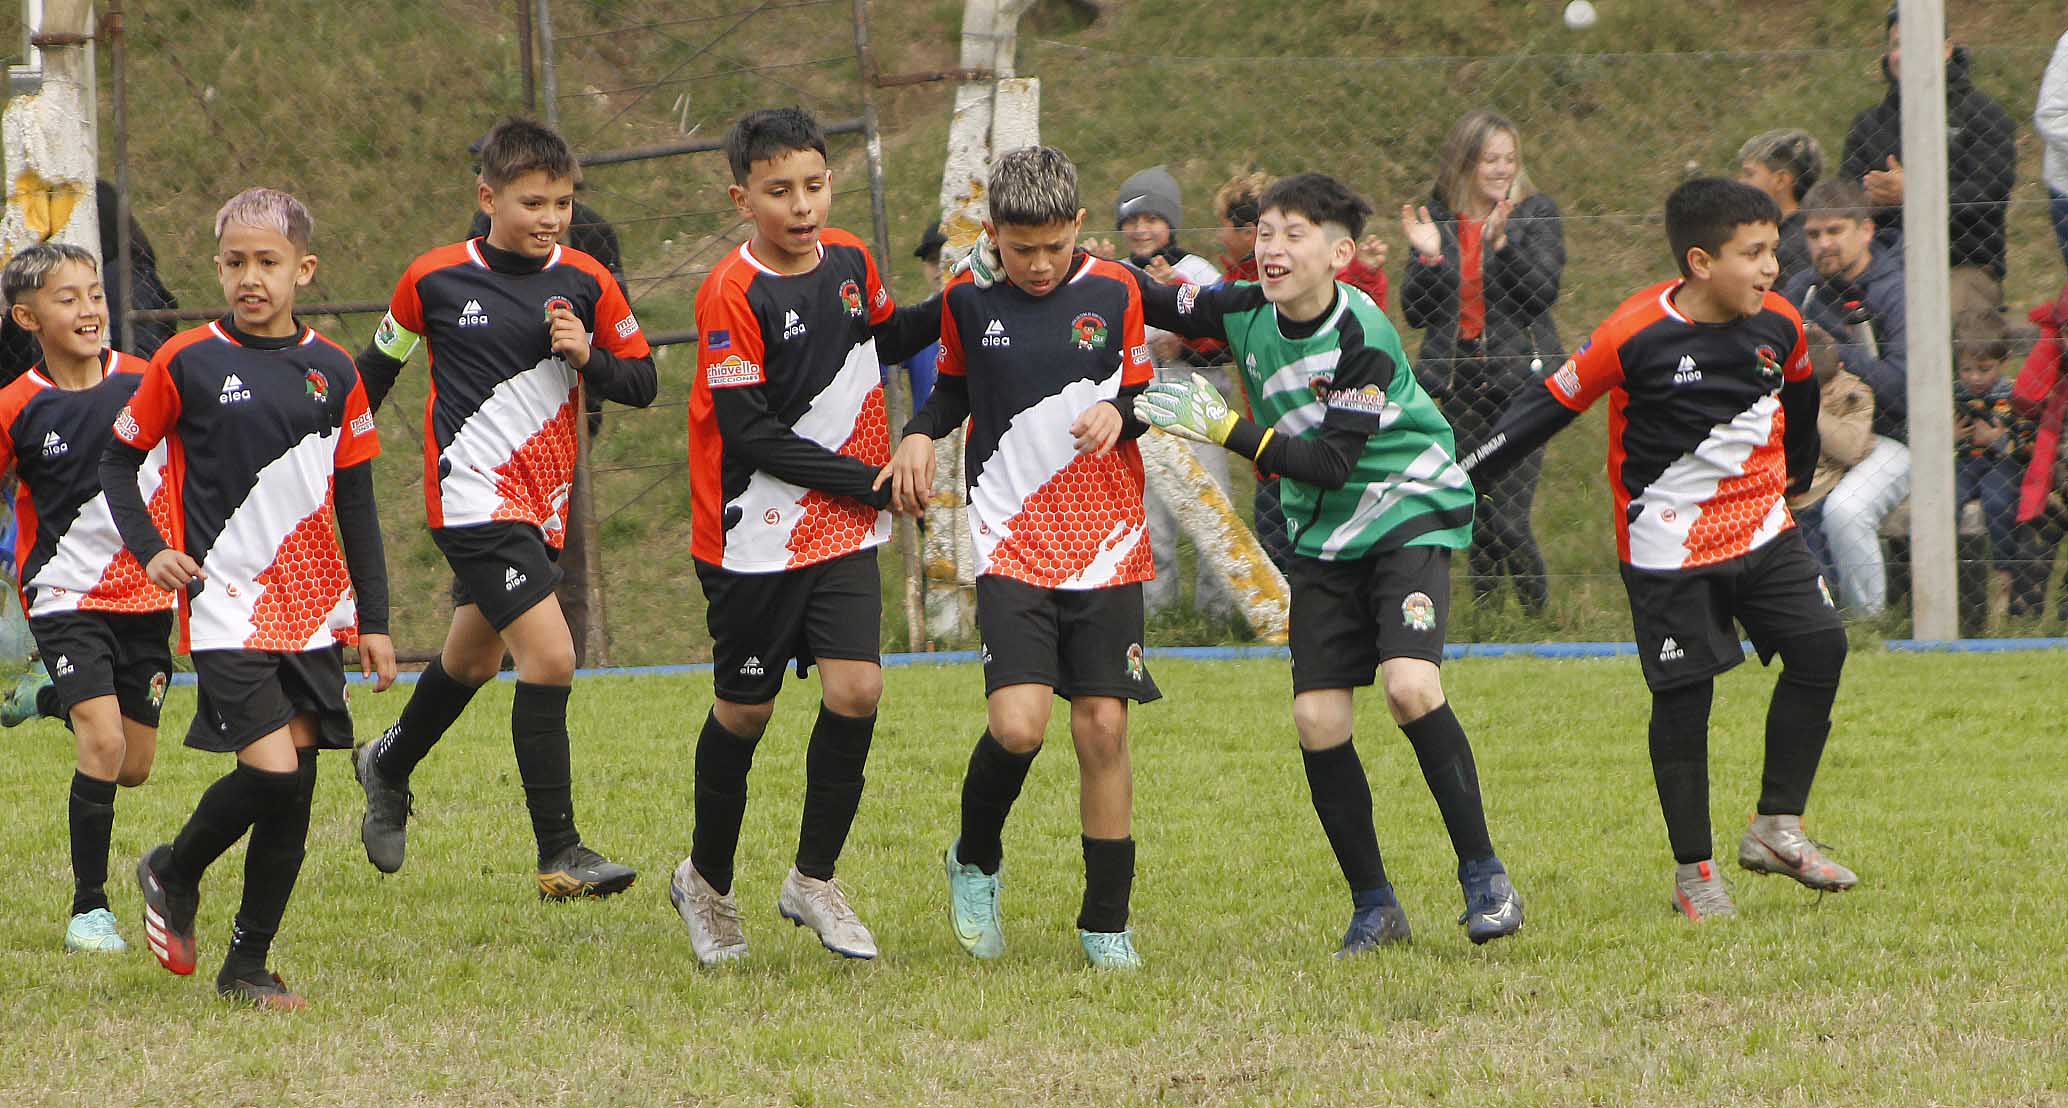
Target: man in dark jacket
x,y
1981,165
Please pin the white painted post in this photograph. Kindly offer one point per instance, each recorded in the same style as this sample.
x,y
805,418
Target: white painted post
x,y
1221,540
47,138
1934,587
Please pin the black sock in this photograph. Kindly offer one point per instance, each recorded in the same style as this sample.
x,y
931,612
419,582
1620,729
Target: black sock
x,y
538,729
988,791
832,788
48,705
271,865
226,811
1447,765
1799,720
1680,767
1342,798
93,822
1109,880
433,708
723,760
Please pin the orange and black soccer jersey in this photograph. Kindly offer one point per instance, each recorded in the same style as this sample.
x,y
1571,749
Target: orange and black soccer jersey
x,y
68,555
1700,449
1028,366
786,421
499,425
256,428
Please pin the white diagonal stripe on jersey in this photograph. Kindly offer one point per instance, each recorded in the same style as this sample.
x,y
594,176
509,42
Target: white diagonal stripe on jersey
x,y
1035,447
514,411
1660,543
755,546
1299,374
1431,471
90,545
289,489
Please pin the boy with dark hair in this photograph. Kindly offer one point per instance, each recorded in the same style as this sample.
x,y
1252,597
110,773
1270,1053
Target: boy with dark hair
x,y
100,627
276,543
1712,420
1374,504
1046,364
787,447
516,325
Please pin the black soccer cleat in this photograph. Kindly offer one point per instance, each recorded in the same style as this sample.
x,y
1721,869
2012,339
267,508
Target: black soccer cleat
x,y
1377,920
1492,906
168,912
262,990
384,828
578,872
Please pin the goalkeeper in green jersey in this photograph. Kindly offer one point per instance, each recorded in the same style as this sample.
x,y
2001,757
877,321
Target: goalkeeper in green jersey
x,y
1374,504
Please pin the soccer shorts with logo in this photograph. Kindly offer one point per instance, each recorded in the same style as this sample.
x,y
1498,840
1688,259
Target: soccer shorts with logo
x,y
124,655
505,569
249,694
1683,618
1349,616
762,621
1079,642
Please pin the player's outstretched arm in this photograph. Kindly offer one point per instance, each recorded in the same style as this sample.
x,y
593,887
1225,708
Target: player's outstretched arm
x,y
1526,423
359,533
754,435
167,568
1194,311
909,330
911,470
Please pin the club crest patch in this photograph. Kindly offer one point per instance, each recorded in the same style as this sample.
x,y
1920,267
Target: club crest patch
x,y
157,694
1418,612
1089,331
1769,361
1134,661
318,386
553,302
851,295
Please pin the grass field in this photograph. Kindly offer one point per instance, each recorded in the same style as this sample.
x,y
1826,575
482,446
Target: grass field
x,y
1941,980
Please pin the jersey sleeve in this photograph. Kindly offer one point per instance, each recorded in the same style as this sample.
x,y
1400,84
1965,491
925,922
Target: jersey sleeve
x,y
1136,367
951,362
1595,368
880,305
616,328
730,347
1798,366
153,409
357,441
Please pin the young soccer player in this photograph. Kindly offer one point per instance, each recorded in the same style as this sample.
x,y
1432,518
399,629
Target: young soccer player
x,y
1374,504
515,325
272,452
786,442
100,627
1712,420
1046,364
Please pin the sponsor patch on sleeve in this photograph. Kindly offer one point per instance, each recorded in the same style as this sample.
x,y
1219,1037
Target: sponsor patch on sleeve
x,y
1567,380
1140,354
882,296
732,373
1188,294
126,427
1369,400
362,424
627,327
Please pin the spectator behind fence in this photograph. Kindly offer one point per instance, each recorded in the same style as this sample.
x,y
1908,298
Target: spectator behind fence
x,y
1488,256
1854,291
2041,395
1992,441
1981,164
1845,433
923,367
2050,119
1784,164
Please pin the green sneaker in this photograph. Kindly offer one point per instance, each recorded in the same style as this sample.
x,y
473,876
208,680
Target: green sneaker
x,y
1110,950
94,933
20,705
973,908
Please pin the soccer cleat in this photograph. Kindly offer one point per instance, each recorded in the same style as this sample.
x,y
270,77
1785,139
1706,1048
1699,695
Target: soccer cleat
x,y
822,906
1699,892
266,991
578,872
1110,950
20,705
713,918
1376,920
383,830
1492,906
168,913
94,933
1776,844
973,908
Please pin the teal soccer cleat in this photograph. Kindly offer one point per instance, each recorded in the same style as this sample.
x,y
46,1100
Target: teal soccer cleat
x,y
1110,950
20,705
973,908
94,933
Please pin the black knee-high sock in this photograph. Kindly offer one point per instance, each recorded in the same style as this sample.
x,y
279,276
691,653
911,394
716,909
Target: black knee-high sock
x,y
1109,881
1680,767
833,766
93,822
538,729
988,792
226,811
723,760
1342,798
1798,720
1453,777
433,708
272,864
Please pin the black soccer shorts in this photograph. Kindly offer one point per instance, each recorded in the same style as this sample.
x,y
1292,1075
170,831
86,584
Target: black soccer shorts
x,y
505,569
1350,616
249,694
119,654
1079,642
761,622
1683,618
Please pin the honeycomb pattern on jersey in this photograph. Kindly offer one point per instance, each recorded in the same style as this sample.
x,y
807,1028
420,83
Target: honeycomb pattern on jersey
x,y
299,590
1733,513
1081,511
830,525
123,586
534,482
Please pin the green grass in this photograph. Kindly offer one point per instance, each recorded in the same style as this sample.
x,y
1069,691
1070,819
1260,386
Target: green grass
x,y
1939,980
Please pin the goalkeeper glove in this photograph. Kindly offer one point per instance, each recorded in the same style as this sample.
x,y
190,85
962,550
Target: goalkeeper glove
x,y
1188,409
981,263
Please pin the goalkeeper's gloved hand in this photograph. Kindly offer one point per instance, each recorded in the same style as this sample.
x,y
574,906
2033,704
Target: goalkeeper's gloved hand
x,y
981,263
1188,409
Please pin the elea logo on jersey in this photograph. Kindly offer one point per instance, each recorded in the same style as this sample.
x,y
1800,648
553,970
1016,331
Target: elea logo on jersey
x,y
851,295
995,336
233,391
1089,331
472,315
55,445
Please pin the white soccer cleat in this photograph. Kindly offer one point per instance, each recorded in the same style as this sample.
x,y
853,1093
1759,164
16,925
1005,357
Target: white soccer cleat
x,y
713,918
1777,844
822,906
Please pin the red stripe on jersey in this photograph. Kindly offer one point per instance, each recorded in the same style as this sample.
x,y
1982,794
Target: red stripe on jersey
x,y
300,588
834,525
1732,514
1072,519
549,453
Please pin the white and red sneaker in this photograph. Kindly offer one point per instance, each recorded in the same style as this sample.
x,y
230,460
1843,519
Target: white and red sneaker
x,y
1699,892
1776,844
168,913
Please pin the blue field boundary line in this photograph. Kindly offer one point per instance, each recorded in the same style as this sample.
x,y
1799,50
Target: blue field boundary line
x,y
1452,652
